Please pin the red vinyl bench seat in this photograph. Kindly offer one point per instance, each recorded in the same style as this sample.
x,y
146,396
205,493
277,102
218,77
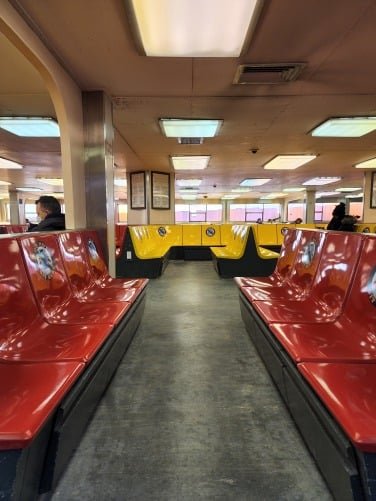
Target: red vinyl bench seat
x,y
324,300
348,390
52,289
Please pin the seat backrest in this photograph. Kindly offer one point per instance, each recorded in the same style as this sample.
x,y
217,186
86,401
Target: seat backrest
x,y
46,272
17,303
360,305
339,259
94,252
288,253
75,261
307,259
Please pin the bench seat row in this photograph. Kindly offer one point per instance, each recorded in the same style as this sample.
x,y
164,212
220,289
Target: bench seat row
x,y
313,322
234,249
65,325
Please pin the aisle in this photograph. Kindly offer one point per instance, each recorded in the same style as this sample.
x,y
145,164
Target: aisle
x,y
191,413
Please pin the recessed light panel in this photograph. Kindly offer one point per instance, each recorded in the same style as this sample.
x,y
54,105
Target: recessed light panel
x,y
288,162
194,162
53,181
345,127
30,126
293,190
367,164
26,188
9,164
358,195
327,194
344,190
185,183
273,195
229,197
319,181
171,28
254,181
176,127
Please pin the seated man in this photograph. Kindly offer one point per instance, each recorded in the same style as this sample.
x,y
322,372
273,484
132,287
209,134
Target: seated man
x,y
49,212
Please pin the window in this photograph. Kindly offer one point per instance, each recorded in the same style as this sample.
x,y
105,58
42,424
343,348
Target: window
x,y
295,210
198,213
252,212
122,213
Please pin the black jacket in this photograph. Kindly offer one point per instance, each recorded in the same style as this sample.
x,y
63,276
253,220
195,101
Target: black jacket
x,y
51,222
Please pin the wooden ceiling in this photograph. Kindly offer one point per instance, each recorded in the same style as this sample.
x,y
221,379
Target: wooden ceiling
x,y
93,41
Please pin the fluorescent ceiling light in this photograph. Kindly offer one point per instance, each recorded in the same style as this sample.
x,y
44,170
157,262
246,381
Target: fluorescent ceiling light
x,y
189,182
9,164
273,195
358,195
229,197
26,188
179,127
254,181
241,190
319,181
293,190
345,127
53,181
288,162
367,164
30,126
188,190
327,194
120,182
188,197
194,162
344,190
193,28
5,183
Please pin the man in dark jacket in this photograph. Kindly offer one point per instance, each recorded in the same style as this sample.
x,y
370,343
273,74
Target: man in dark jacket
x,y
49,212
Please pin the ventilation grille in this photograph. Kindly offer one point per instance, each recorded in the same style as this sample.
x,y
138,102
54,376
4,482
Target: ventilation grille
x,y
190,140
276,73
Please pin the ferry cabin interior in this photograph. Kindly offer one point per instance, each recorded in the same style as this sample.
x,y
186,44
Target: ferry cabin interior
x,y
127,111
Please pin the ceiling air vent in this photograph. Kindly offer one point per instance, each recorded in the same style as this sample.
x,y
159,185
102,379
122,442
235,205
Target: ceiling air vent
x,y
275,73
190,140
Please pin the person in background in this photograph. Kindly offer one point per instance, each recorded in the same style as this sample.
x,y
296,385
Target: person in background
x,y
298,220
49,213
338,214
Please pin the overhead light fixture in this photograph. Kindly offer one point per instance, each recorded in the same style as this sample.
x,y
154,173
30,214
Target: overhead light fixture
x,y
229,197
53,181
319,181
190,162
188,182
56,195
31,126
188,191
168,28
367,164
9,164
273,195
345,127
344,190
188,197
26,188
180,127
254,181
120,182
327,194
293,190
241,190
358,195
5,183
288,162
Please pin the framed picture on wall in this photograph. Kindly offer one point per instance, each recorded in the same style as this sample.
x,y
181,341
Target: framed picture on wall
x,y
373,191
160,190
138,190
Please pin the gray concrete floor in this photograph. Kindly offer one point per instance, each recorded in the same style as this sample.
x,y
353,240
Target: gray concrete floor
x,y
191,413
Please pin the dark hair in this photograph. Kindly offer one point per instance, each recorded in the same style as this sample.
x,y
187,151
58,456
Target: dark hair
x,y
50,204
339,210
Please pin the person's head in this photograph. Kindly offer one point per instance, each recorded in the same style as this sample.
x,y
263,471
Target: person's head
x,y
298,220
339,210
47,205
